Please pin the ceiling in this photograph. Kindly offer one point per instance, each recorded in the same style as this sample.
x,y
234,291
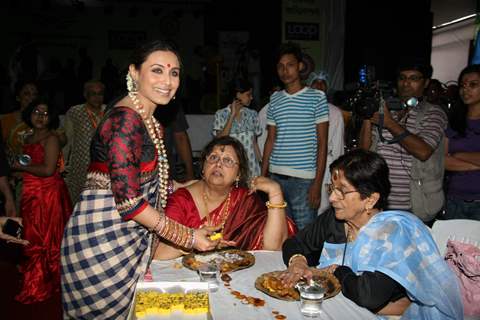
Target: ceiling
x,y
448,10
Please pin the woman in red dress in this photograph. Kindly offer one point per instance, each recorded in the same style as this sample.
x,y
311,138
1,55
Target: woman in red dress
x,y
221,199
45,205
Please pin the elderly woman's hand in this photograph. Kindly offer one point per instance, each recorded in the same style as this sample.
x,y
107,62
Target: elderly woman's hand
x,y
202,238
330,269
297,270
8,237
267,185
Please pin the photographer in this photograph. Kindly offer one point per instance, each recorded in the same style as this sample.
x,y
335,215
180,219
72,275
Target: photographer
x,y
411,141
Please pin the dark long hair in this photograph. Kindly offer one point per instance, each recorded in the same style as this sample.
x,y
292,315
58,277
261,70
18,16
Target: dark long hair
x,y
240,85
458,115
140,55
367,171
239,150
53,119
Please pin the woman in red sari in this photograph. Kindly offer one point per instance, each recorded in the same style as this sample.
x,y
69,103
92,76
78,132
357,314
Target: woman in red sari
x,y
45,205
222,199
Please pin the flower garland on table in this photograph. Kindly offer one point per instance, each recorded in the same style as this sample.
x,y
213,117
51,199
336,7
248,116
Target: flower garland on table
x,y
156,134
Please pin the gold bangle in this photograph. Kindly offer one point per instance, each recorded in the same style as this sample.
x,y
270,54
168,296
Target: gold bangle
x,y
276,206
296,256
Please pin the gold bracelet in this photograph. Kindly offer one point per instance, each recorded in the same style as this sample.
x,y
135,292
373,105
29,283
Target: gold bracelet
x,y
276,206
156,224
296,256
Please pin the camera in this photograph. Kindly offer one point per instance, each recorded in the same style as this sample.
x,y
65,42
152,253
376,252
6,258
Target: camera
x,y
367,97
366,100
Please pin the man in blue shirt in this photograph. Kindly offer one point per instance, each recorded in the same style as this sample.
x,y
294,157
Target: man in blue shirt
x,y
296,147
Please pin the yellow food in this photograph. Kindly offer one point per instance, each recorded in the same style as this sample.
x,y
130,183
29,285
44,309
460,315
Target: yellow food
x,y
196,303
176,300
216,236
158,303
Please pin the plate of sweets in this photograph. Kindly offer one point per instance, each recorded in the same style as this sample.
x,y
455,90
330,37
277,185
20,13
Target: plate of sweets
x,y
227,260
162,301
271,284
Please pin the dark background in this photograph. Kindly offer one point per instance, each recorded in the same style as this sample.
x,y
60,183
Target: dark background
x,y
377,33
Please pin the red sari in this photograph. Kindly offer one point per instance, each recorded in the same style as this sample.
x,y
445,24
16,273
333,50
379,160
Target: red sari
x,y
45,208
245,222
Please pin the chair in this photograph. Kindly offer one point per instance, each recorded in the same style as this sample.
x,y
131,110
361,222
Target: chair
x,y
463,230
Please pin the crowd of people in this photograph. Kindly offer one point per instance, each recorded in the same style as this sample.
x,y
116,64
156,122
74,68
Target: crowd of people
x,y
100,197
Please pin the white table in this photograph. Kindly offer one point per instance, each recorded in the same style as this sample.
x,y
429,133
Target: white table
x,y
226,306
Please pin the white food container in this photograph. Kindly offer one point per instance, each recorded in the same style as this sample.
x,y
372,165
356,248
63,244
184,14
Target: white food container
x,y
171,287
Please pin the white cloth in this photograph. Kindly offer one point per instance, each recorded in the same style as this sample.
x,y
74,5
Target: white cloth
x,y
262,120
335,148
224,305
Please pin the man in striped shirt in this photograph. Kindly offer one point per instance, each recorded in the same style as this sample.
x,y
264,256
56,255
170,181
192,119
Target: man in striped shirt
x,y
296,147
418,141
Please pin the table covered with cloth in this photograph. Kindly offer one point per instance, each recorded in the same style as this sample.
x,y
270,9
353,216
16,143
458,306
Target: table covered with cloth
x,y
224,305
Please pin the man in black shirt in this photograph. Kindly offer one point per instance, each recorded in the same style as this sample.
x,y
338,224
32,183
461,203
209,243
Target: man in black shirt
x,y
176,139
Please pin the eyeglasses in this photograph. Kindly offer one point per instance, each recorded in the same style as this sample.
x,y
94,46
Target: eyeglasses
x,y
339,193
412,78
226,161
469,85
40,113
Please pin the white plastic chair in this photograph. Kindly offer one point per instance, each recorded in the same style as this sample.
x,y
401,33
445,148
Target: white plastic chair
x,y
463,230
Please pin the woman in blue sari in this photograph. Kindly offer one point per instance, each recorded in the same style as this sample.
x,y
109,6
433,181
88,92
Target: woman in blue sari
x,y
386,261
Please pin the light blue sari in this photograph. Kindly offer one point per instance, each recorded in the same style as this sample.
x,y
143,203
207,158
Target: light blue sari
x,y
399,245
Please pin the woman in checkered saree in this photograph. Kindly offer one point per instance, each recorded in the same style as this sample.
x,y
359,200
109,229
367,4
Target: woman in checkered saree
x,y
107,242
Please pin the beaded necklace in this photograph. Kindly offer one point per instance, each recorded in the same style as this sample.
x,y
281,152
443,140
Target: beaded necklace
x,y
155,131
223,214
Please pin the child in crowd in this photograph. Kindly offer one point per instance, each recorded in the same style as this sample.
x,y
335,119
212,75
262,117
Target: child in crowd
x,y
238,121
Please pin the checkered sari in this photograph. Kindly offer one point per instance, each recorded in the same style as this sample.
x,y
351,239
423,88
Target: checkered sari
x,y
103,256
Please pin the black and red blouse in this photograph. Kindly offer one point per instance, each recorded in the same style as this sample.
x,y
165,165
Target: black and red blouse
x,y
122,148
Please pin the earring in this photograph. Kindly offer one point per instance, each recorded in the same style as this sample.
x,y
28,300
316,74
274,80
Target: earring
x,y
131,84
237,180
173,98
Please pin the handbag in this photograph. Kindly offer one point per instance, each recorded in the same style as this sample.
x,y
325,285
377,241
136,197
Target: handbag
x,y
464,260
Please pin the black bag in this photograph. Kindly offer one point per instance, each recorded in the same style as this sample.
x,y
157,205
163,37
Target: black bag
x,y
13,228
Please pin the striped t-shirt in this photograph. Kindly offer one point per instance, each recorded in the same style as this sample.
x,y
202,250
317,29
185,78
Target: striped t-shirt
x,y
295,117
399,160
